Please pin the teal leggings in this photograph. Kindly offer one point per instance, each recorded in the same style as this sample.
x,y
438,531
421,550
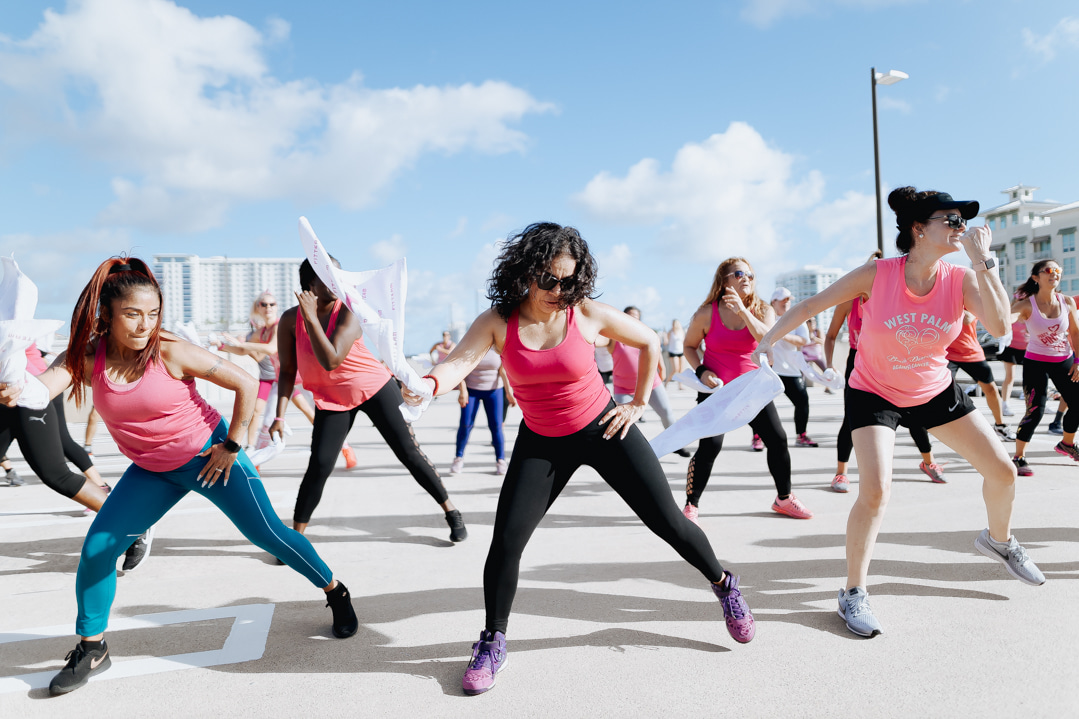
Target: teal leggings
x,y
142,497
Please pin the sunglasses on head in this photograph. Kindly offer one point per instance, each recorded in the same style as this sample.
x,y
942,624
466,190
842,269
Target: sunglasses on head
x,y
267,304
739,274
952,220
547,282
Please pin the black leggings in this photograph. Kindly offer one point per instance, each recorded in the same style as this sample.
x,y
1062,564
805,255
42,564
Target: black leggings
x,y
795,389
37,432
331,429
1036,376
538,471
765,425
844,443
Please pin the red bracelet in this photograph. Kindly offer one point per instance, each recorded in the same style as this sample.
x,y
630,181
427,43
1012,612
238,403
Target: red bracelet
x,y
435,380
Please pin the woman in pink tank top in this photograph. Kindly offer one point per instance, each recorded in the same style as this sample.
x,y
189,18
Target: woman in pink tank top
x,y
1052,335
729,323
143,383
544,324
323,340
851,311
913,311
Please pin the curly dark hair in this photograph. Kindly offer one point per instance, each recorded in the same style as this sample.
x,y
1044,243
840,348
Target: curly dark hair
x,y
528,254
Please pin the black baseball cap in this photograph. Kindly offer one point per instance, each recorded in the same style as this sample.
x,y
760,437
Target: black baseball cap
x,y
968,209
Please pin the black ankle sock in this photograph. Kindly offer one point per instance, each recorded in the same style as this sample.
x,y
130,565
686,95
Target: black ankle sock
x,y
92,646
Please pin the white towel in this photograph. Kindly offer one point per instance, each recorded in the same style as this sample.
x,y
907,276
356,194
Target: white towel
x,y
377,298
19,330
729,407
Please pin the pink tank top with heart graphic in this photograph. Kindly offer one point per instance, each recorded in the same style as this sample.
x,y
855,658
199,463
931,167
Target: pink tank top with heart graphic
x,y
1047,339
904,337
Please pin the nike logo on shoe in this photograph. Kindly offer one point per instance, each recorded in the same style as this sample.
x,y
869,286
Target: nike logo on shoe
x,y
95,663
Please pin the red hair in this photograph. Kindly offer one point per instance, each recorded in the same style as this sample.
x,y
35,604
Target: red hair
x,y
115,278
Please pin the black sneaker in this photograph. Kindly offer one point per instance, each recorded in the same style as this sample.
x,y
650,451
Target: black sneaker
x,y
138,551
81,665
339,601
458,533
683,452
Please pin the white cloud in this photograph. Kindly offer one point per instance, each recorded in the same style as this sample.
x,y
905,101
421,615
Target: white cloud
x,y
184,108
462,225
389,250
1064,34
719,197
52,261
891,103
764,13
615,262
847,228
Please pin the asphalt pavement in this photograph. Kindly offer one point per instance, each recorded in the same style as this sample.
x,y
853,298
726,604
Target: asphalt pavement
x,y
608,620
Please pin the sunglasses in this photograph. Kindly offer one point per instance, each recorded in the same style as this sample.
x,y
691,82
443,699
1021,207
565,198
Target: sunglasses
x,y
1051,271
953,221
267,304
739,274
547,282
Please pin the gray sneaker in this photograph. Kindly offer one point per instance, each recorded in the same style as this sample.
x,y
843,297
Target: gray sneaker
x,y
1012,556
854,608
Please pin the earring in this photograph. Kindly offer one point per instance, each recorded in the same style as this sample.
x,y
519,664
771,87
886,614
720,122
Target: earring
x,y
920,235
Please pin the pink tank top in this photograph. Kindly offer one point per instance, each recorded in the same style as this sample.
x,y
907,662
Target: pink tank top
x,y
35,363
559,389
626,361
158,422
904,337
355,380
1048,338
728,353
1019,335
854,322
966,347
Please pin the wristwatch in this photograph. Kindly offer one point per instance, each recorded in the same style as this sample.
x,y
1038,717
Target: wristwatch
x,y
987,265
231,446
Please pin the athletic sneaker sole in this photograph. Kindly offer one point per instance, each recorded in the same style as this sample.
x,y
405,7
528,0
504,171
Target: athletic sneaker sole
x,y
60,691
994,554
872,634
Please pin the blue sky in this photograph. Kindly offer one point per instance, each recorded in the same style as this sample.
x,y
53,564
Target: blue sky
x,y
672,136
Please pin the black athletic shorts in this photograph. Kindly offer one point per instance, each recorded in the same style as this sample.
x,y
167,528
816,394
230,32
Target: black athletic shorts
x,y
866,409
1012,355
978,371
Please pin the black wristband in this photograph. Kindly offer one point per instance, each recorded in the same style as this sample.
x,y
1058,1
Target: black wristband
x,y
231,446
701,369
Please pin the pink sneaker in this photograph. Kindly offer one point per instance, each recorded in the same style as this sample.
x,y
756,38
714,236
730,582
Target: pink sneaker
x,y
840,484
691,513
791,507
350,457
934,472
757,444
803,440
740,623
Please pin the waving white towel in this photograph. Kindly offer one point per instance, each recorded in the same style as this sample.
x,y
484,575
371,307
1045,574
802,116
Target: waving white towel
x,y
729,407
377,298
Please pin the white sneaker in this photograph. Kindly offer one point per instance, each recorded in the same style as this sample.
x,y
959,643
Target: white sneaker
x,y
500,467
1006,410
458,465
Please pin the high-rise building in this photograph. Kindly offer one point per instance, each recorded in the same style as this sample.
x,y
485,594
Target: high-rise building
x,y
217,292
807,282
1026,230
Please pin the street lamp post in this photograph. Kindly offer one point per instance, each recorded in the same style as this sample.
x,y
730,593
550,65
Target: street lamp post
x,y
880,78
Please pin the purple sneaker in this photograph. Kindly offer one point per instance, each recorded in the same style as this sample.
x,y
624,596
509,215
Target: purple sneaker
x,y
740,622
488,659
